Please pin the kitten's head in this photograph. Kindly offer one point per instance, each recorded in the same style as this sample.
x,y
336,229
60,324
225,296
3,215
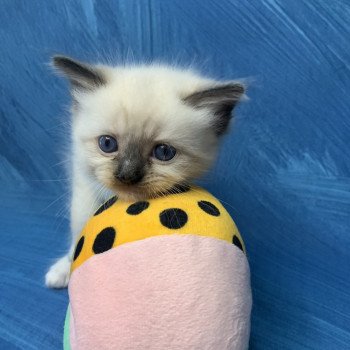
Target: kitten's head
x,y
141,130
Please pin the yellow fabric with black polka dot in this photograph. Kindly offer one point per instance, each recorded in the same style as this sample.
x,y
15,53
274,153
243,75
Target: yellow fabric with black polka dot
x,y
193,211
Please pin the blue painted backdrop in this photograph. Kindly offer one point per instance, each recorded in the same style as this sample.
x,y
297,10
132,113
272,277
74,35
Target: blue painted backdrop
x,y
283,171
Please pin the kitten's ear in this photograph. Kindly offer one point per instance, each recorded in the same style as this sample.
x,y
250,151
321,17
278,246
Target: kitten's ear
x,y
221,100
81,75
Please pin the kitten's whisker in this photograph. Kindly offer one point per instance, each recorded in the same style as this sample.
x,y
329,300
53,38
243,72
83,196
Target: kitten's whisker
x,y
221,200
49,180
183,180
61,162
55,201
98,198
60,219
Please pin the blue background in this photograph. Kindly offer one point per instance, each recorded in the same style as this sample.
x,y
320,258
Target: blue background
x,y
283,171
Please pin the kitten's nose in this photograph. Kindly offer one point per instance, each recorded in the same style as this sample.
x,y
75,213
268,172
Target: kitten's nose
x,y
130,178
130,168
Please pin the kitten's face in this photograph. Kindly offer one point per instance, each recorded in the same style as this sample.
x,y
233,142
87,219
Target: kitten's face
x,y
140,131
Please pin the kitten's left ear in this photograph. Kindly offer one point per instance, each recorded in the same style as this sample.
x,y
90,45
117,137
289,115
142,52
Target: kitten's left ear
x,y
221,100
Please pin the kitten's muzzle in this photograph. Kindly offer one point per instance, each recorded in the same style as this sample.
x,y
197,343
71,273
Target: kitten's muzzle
x,y
129,179
129,173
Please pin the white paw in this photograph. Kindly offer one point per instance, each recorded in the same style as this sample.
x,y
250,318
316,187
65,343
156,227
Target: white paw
x,y
58,274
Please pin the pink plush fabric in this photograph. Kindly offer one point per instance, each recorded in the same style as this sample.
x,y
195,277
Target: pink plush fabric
x,y
177,292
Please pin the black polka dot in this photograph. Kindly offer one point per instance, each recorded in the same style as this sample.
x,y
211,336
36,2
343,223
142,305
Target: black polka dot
x,y
173,218
106,205
137,208
209,208
79,247
104,240
237,242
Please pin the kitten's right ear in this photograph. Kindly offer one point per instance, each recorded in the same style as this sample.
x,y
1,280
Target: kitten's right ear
x,y
81,75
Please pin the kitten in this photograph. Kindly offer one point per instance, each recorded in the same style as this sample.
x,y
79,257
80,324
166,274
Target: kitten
x,y
138,131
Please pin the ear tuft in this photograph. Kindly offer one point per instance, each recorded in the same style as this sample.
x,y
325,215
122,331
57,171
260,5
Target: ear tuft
x,y
80,75
221,100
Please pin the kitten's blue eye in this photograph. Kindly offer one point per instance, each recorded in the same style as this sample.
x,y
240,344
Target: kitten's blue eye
x,y
107,144
164,152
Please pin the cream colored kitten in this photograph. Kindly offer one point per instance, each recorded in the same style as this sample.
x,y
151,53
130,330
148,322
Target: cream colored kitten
x,y
138,132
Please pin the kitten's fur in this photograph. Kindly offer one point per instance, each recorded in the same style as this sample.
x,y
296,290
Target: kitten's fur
x,y
141,106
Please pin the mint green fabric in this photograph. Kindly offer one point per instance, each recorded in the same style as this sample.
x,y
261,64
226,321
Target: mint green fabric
x,y
66,340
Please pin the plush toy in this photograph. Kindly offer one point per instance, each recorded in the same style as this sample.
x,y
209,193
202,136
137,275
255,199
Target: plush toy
x,y
164,274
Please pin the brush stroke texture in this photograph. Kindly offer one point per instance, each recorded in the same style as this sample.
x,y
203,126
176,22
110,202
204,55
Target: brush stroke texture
x,y
284,169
